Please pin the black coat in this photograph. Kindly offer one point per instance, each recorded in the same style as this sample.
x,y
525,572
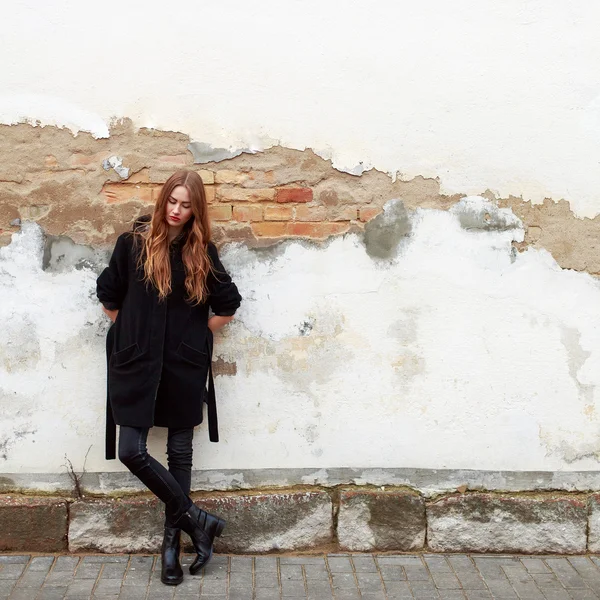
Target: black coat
x,y
159,352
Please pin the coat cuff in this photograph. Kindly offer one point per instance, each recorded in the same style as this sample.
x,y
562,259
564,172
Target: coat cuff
x,y
111,305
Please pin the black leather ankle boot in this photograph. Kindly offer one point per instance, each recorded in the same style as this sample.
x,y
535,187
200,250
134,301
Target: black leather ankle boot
x,y
203,528
171,573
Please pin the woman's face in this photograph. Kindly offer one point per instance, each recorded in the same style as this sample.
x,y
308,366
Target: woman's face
x,y
178,210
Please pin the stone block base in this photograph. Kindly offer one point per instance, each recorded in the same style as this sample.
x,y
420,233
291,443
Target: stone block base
x,y
381,520
33,524
368,520
489,523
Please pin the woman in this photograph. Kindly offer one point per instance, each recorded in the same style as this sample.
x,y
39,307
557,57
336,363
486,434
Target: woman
x,y
157,289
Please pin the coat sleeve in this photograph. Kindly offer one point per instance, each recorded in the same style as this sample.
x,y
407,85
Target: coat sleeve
x,y
111,285
223,296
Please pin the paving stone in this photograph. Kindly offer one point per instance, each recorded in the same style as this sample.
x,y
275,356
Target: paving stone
x,y
416,573
398,590
381,520
373,596
399,559
14,558
292,587
214,586
88,570
265,563
241,563
343,580
565,573
25,518
267,594
66,564
108,587
313,587
339,564
392,572
535,565
58,579
266,580
12,571
301,560
52,593
437,564
107,558
364,564
446,581
583,595
493,523
561,594
113,571
291,571
369,581
241,579
317,572
81,587
32,579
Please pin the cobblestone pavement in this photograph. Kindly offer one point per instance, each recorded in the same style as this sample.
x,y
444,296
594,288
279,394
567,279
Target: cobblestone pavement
x,y
332,576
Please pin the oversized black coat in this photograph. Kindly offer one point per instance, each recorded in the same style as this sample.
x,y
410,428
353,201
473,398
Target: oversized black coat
x,y
159,352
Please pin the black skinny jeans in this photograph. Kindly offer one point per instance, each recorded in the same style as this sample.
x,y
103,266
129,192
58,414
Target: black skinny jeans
x,y
172,486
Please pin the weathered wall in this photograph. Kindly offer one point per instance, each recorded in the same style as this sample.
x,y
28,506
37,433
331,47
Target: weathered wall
x,y
435,334
396,328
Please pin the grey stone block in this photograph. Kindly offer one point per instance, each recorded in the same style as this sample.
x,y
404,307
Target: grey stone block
x,y
492,523
271,521
121,525
381,520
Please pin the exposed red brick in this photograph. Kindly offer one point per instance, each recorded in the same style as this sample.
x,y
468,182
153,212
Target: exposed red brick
x,y
316,230
219,212
269,229
368,212
343,213
278,213
248,213
310,213
244,195
294,195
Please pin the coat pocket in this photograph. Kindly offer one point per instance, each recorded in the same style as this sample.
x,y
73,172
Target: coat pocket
x,y
127,355
191,355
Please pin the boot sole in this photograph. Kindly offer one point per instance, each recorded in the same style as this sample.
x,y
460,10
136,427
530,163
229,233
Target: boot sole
x,y
172,581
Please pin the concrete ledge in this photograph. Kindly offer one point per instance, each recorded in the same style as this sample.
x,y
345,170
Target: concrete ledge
x,y
33,524
381,520
491,523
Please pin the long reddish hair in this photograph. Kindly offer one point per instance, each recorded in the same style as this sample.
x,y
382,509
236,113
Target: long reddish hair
x,y
155,253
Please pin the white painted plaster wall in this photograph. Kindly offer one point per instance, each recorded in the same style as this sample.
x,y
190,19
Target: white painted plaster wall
x,y
457,353
481,94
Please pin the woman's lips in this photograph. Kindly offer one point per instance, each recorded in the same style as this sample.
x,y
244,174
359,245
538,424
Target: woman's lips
x,y
174,218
